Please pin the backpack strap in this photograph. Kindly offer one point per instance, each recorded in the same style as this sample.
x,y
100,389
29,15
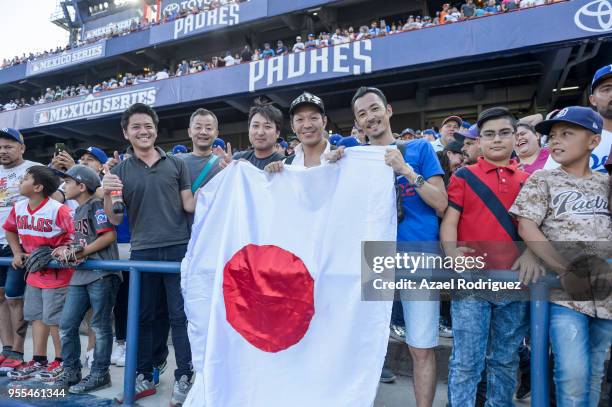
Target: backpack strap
x,y
402,146
490,200
289,159
205,171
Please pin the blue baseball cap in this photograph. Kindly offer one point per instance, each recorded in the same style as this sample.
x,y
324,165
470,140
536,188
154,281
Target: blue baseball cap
x,y
408,130
219,143
179,149
465,124
12,133
584,117
430,132
334,139
471,133
348,142
602,74
95,151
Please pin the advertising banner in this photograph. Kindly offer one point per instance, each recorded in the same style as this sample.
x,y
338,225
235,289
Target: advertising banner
x,y
67,58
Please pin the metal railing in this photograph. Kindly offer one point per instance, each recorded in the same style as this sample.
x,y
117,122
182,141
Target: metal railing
x,y
539,318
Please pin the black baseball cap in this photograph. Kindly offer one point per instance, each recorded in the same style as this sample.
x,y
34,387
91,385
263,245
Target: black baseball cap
x,y
307,98
84,175
455,146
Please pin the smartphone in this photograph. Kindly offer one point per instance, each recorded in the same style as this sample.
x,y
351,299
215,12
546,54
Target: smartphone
x,y
59,147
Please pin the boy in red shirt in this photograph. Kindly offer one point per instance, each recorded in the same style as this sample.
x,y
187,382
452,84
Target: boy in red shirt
x,y
480,196
32,223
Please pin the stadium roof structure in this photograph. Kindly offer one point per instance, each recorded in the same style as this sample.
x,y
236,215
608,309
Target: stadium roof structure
x,y
70,14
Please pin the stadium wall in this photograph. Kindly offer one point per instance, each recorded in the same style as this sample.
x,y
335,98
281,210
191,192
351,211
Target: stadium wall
x,y
513,32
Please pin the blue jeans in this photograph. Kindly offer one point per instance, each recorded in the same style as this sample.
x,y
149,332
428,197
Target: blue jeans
x,y
100,296
491,331
580,344
152,286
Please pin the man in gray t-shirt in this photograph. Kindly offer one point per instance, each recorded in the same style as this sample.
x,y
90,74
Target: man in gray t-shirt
x,y
156,189
468,9
203,131
196,164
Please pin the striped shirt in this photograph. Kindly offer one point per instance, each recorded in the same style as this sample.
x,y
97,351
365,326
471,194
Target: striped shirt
x,y
50,224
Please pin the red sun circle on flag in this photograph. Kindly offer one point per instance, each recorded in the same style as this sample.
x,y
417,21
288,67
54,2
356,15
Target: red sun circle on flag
x,y
269,296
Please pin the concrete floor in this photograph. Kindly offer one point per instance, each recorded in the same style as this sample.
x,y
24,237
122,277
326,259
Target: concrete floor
x,y
398,394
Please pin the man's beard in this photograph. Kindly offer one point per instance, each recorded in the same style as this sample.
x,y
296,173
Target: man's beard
x,y
377,135
606,112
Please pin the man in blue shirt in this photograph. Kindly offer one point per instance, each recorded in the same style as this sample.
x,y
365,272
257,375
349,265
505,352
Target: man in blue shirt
x,y
423,197
267,52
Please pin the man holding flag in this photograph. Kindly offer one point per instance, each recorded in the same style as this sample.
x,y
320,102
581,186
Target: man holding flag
x,y
423,196
276,319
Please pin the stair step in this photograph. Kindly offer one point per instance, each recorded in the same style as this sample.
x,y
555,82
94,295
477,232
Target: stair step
x,y
398,357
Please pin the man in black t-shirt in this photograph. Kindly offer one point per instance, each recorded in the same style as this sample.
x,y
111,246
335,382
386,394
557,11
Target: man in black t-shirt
x,y
265,124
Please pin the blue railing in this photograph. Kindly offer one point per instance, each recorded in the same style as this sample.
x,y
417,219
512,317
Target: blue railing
x,y
539,318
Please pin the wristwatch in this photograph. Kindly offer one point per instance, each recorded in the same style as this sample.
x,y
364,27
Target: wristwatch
x,y
419,181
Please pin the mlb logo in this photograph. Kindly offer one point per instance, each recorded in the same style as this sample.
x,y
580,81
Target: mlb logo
x,y
42,117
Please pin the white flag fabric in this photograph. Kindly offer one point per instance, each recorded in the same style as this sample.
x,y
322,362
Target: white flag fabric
x,y
272,284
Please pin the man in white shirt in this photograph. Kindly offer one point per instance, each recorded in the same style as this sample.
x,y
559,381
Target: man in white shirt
x,y
299,45
447,132
162,75
338,38
308,121
229,59
601,100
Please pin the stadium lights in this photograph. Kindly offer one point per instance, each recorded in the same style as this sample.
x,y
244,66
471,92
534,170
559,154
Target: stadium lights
x,y
567,89
120,3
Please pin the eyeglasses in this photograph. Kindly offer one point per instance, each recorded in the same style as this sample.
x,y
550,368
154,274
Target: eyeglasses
x,y
503,134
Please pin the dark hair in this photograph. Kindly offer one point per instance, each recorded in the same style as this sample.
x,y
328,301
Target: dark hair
x,y
445,164
531,129
495,113
203,112
46,177
364,90
267,110
137,108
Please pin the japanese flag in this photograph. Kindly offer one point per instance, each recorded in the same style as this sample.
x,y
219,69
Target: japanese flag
x,y
272,284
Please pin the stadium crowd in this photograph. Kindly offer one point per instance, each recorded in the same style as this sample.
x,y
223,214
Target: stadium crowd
x,y
500,179
114,31
247,54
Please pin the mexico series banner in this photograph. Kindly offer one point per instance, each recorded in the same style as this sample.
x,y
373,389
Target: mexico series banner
x,y
66,58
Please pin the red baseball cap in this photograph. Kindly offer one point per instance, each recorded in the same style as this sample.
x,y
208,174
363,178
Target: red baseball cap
x,y
456,119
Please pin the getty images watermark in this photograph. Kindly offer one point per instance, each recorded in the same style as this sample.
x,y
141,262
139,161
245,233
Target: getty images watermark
x,y
485,270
